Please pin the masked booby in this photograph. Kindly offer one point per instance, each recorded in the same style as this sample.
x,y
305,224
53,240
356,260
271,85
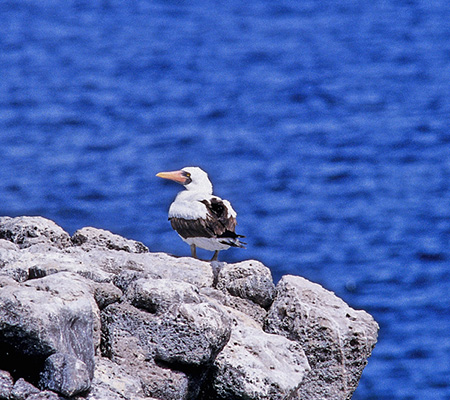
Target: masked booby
x,y
200,218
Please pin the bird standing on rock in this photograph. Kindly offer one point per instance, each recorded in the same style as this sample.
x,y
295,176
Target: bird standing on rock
x,y
200,218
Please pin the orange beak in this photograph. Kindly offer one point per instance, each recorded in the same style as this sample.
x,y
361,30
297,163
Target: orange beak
x,y
176,176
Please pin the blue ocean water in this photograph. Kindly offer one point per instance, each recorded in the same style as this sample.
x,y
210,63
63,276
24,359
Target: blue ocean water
x,y
325,123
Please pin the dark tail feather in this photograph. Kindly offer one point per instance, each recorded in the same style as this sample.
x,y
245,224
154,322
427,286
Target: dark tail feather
x,y
232,239
233,242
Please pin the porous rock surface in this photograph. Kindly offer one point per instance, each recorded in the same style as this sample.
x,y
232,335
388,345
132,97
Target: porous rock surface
x,y
337,339
96,316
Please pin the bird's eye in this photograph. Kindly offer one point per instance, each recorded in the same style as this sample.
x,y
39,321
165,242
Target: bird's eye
x,y
187,174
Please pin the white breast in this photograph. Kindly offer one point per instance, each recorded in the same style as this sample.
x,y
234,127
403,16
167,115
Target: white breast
x,y
188,205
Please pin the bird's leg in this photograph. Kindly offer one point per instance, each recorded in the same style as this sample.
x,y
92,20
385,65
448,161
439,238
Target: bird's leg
x,y
214,257
193,251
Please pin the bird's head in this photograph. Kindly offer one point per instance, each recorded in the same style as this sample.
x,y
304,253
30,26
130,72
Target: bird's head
x,y
192,178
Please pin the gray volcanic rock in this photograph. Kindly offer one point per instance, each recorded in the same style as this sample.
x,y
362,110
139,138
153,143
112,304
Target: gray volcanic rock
x,y
157,295
43,316
103,265
28,231
256,365
65,374
99,317
106,294
6,384
186,336
89,238
249,280
131,266
22,389
38,261
129,337
191,334
8,253
111,381
44,395
248,307
337,339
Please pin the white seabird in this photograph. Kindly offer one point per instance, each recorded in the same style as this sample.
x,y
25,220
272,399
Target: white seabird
x,y
200,218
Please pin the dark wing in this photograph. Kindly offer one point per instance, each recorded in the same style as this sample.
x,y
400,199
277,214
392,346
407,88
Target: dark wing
x,y
218,215
192,227
217,224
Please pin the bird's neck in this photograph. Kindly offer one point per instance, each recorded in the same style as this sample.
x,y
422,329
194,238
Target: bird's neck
x,y
204,188
193,195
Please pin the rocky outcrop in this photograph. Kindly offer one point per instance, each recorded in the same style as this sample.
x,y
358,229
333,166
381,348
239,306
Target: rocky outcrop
x,y
337,339
96,316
